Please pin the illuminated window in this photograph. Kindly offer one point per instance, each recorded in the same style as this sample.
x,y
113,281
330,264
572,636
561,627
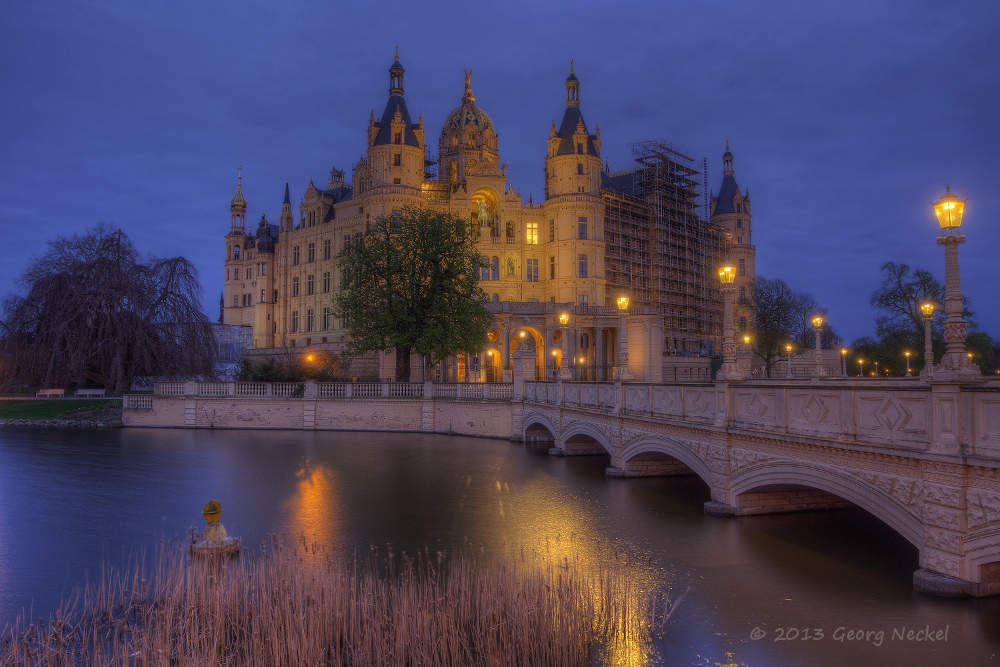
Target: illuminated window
x,y
531,233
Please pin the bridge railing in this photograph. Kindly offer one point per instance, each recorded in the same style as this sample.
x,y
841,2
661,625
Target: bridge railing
x,y
467,391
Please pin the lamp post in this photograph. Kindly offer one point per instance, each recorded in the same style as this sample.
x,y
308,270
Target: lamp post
x,y
927,315
788,370
817,327
908,374
955,364
624,372
876,369
730,370
564,372
861,368
843,361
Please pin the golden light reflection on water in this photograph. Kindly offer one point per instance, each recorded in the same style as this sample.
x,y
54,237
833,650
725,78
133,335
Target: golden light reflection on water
x,y
315,510
542,518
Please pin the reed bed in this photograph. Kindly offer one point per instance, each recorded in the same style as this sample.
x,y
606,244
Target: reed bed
x,y
309,604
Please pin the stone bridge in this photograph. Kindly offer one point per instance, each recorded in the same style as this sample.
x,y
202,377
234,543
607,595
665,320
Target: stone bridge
x,y
923,457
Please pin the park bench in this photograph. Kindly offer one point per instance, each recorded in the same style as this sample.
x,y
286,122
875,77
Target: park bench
x,y
89,393
49,393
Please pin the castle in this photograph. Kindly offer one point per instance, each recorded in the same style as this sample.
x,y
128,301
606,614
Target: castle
x,y
553,270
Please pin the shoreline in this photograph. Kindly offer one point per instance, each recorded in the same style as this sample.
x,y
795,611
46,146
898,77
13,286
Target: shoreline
x,y
64,423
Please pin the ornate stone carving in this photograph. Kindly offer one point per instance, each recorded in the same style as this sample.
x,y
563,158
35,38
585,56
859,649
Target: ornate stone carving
x,y
744,457
943,540
982,507
941,562
943,517
907,491
814,410
948,496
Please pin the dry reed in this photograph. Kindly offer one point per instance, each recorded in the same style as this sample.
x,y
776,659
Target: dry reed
x,y
308,604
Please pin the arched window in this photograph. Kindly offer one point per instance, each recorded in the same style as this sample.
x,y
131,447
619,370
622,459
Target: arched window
x,y
484,272
494,269
236,252
495,298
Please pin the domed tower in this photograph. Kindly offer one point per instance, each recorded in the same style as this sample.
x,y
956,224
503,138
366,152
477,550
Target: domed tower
x,y
573,163
731,211
238,207
395,143
468,138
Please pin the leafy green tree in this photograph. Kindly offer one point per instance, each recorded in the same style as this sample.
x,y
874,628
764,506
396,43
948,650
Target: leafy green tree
x,y
411,283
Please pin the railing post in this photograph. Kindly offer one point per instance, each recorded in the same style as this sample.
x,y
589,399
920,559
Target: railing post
x,y
348,389
385,390
191,388
270,390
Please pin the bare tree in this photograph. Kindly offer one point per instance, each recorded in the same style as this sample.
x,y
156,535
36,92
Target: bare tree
x,y
96,310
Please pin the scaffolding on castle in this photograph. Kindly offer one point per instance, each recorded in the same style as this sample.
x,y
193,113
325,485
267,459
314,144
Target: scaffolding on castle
x,y
659,250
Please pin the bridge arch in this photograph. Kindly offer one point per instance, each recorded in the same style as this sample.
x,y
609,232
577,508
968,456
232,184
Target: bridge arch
x,y
670,447
587,430
538,419
842,484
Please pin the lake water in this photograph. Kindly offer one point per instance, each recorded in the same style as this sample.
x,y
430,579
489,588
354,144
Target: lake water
x,y
72,499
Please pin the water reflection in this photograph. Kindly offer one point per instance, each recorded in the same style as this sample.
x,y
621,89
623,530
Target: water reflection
x,y
314,512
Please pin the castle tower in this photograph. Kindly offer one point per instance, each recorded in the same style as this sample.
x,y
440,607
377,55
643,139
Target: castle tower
x,y
573,162
232,291
264,272
395,143
574,208
731,211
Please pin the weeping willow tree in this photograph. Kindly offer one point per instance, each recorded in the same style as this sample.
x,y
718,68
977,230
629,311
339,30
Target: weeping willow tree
x,y
95,310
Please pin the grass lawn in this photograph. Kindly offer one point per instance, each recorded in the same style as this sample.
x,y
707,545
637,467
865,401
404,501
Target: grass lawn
x,y
52,408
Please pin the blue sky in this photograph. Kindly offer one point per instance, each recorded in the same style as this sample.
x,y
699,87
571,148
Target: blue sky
x,y
846,119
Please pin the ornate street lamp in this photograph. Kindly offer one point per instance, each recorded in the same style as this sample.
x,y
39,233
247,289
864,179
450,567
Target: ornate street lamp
x,y
908,374
624,372
817,327
564,372
788,370
927,315
861,368
730,370
954,364
843,361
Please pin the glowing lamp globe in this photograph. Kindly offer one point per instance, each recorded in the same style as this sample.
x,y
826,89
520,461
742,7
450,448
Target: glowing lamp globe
x,y
949,211
927,309
727,274
564,318
817,321
623,303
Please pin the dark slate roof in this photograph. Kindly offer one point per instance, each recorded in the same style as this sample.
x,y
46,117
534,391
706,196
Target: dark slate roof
x,y
571,118
340,193
622,182
384,136
287,200
727,192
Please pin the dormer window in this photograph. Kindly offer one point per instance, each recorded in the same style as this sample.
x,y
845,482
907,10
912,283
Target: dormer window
x,y
739,209
579,148
398,139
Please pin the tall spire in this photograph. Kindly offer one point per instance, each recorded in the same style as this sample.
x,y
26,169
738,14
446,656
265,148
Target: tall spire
x,y
238,204
396,76
287,200
727,160
572,88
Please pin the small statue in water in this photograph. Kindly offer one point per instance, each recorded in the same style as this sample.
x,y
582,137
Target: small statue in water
x,y
215,540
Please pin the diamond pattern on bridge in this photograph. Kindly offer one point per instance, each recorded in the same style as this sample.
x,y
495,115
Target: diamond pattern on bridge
x,y
756,407
892,414
814,410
